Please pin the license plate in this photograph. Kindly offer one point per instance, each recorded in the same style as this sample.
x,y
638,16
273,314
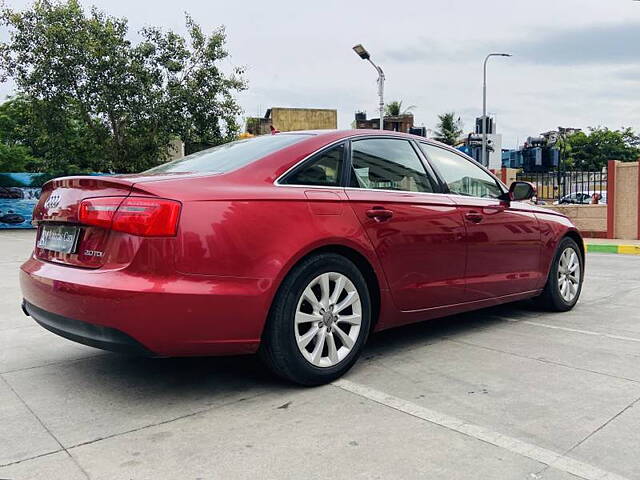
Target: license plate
x,y
59,238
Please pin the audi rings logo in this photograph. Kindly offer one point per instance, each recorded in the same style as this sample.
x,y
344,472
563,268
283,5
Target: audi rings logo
x,y
52,202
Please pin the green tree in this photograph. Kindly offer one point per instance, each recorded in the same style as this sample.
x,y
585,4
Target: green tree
x,y
592,151
90,85
393,109
54,139
14,121
449,128
15,158
194,85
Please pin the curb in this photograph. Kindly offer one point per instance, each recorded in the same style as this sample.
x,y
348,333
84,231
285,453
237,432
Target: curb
x,y
606,248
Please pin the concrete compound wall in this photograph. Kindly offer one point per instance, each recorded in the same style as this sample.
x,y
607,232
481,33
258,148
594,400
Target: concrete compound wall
x,y
620,218
591,220
624,200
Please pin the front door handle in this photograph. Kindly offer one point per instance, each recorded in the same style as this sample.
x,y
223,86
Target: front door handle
x,y
473,217
379,214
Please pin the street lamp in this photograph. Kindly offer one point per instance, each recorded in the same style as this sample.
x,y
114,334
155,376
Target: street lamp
x,y
363,54
484,106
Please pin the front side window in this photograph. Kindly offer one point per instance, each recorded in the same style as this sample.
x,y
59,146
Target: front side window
x,y
388,164
323,169
462,176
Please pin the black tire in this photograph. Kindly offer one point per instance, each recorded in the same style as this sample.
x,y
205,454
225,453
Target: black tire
x,y
551,299
279,349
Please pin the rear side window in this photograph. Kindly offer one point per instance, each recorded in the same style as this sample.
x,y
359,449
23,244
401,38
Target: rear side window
x,y
388,164
230,156
323,169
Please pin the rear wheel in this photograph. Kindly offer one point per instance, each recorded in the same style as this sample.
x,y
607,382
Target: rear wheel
x,y
319,321
564,284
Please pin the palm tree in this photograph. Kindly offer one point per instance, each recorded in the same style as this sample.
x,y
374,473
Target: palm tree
x,y
449,129
393,109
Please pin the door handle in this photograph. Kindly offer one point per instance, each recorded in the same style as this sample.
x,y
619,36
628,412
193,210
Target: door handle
x,y
473,217
379,214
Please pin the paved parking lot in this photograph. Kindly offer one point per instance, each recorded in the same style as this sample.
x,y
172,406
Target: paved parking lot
x,y
505,393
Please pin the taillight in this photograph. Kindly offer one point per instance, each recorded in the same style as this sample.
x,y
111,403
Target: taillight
x,y
144,216
148,217
99,211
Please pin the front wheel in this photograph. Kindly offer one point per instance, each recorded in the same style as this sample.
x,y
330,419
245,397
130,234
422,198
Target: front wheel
x,y
564,283
319,321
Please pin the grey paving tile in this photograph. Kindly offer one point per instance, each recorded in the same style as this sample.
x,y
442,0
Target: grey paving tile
x,y
615,447
49,467
313,434
32,346
105,395
21,435
544,404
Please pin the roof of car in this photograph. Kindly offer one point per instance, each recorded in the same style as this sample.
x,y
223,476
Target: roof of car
x,y
338,134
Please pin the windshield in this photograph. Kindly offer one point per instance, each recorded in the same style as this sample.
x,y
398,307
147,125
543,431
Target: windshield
x,y
230,156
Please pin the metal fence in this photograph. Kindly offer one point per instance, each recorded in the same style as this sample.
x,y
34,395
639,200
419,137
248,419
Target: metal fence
x,y
569,186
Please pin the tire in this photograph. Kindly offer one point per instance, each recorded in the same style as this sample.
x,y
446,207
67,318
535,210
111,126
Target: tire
x,y
297,326
552,297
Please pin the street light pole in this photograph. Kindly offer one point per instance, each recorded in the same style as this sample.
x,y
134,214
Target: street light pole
x,y
363,54
484,106
380,92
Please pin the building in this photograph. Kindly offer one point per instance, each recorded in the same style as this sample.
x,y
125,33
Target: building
x,y
553,136
538,154
398,123
293,119
512,158
473,144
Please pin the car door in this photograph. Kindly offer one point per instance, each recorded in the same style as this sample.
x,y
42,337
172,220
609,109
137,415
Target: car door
x,y
503,239
570,199
584,198
417,232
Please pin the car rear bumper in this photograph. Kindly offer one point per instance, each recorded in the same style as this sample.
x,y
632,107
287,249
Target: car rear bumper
x,y
180,315
97,336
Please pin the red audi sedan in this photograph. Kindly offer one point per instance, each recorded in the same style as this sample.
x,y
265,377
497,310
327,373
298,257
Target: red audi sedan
x,y
294,245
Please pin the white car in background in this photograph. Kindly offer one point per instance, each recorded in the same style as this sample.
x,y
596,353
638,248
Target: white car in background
x,y
581,198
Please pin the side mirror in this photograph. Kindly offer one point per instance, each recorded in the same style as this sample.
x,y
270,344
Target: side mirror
x,y
519,191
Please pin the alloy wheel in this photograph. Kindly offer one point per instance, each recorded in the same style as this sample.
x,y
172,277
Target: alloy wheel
x,y
328,319
569,274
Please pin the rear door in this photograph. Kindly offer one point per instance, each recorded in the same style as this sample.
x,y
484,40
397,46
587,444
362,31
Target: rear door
x,y
503,239
417,232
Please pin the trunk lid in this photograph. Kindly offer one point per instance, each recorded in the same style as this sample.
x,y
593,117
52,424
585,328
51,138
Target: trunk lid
x,y
58,206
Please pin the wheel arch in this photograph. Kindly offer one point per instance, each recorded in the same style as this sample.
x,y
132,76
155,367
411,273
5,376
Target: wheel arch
x,y
576,237
361,260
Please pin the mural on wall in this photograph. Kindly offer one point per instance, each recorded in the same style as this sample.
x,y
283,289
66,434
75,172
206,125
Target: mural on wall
x,y
19,193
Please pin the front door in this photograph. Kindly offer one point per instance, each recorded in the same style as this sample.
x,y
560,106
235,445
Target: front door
x,y
503,240
417,232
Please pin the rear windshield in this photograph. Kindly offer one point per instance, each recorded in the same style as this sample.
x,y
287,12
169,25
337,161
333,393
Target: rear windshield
x,y
230,156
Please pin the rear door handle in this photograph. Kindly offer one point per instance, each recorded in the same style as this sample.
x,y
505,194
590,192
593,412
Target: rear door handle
x,y
473,217
379,214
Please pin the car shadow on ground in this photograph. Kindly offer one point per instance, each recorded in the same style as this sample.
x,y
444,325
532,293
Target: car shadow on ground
x,y
116,376
419,334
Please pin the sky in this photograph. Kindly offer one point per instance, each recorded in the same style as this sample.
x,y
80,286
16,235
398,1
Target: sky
x,y
576,63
